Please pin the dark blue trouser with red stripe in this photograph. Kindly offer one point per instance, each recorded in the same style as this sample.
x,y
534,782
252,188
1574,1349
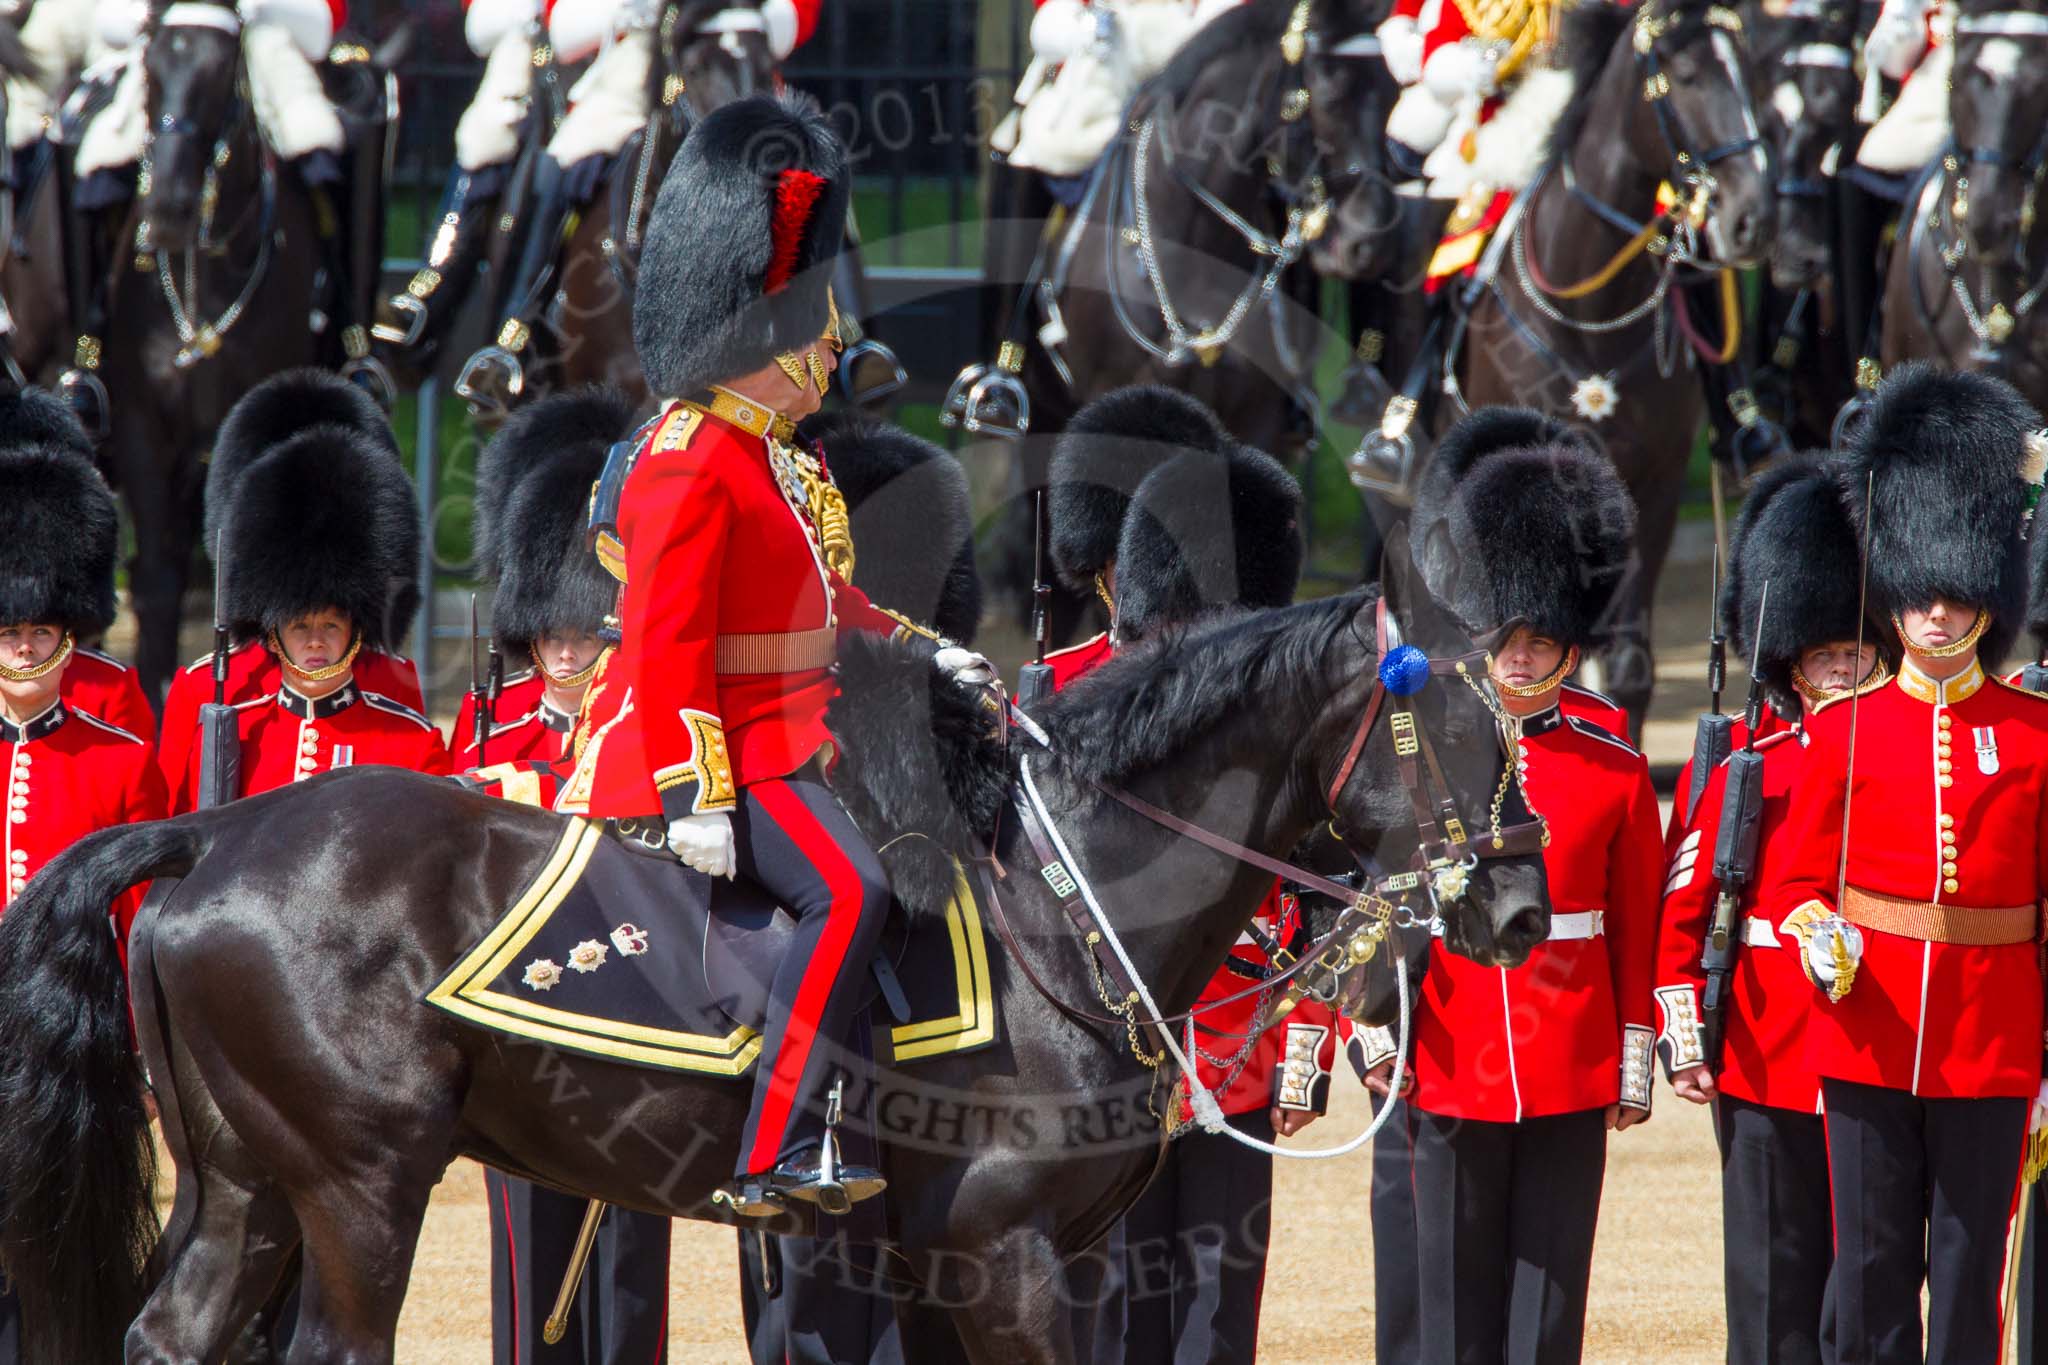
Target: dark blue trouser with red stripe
x,y
620,1313
797,844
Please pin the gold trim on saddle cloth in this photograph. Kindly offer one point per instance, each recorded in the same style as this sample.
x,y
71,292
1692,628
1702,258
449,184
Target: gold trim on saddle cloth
x,y
974,1024
465,991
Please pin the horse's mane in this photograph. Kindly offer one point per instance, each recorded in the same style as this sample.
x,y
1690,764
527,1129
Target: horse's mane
x,y
1149,703
1254,25
1591,29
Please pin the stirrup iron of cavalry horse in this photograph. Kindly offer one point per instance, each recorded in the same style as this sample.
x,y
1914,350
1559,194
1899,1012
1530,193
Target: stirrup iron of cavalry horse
x,y
86,396
490,379
991,399
864,356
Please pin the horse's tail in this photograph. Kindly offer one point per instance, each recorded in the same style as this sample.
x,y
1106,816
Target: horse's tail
x,y
77,1169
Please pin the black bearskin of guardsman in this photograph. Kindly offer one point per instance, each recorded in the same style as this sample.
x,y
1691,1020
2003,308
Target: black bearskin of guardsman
x,y
57,520
1517,519
1945,452
1795,536
308,499
720,293
533,492
1099,461
1208,528
912,519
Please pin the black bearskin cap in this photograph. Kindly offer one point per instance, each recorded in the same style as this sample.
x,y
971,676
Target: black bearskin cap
x,y
1945,452
1540,533
740,246
1101,458
533,501
38,417
1795,534
912,520
282,406
1207,530
59,524
317,510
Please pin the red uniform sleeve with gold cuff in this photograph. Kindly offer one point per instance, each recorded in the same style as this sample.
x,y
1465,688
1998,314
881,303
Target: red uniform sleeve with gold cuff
x,y
1689,889
675,521
1634,879
853,611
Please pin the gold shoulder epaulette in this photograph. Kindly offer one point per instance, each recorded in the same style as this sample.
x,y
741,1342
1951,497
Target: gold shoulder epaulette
x,y
2015,687
1088,643
676,430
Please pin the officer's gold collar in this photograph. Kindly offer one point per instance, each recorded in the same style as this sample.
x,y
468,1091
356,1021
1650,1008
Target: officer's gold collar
x,y
1935,692
744,413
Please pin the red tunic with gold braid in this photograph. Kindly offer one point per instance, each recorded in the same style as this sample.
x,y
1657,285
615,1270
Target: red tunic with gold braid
x,y
67,774
253,672
1763,1056
1946,842
1570,1029
102,686
730,614
288,738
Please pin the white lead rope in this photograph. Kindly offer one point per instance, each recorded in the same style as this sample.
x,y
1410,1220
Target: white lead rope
x,y
1208,1113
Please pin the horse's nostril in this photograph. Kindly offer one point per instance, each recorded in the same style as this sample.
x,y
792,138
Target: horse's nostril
x,y
1524,927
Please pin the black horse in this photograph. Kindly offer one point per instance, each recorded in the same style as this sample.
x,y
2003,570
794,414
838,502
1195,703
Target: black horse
x,y
1972,261
307,1093
232,285
1584,319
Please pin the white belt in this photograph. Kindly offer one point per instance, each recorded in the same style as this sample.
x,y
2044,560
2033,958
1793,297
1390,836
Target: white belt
x,y
1758,932
1583,924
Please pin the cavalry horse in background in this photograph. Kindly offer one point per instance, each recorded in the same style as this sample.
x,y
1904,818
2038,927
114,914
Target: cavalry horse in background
x,y
1807,87
307,1092
232,283
1584,318
1251,167
1971,262
31,241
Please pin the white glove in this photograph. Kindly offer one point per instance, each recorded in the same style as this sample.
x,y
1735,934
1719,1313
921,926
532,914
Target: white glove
x,y
120,22
1895,44
705,842
1460,70
780,18
964,666
1400,49
1062,29
2039,1118
578,28
309,22
490,22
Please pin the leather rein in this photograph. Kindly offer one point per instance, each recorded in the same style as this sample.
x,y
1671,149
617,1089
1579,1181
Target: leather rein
x,y
1444,854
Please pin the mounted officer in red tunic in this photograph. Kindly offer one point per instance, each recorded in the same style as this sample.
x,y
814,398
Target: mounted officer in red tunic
x,y
733,548
1922,931
1794,540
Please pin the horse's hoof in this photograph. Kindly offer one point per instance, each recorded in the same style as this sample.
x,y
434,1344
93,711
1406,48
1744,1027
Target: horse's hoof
x,y
87,398
490,382
373,377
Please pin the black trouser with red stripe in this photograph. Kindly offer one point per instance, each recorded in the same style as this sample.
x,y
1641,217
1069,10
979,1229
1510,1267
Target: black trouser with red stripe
x,y
1923,1190
1504,1217
620,1313
1777,1232
799,845
1396,1282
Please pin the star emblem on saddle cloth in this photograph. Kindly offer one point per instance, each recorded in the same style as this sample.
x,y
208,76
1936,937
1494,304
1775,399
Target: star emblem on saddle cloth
x,y
1594,397
587,956
541,974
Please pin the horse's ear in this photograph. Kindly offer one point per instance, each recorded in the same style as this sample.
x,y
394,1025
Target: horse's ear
x,y
1423,620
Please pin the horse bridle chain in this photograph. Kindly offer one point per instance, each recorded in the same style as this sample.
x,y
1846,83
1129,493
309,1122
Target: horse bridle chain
x,y
1692,175
1995,327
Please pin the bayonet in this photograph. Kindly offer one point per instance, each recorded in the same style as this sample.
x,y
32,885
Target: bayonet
x,y
479,700
1034,680
1712,735
1855,691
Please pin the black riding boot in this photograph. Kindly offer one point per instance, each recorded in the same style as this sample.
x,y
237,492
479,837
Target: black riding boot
x,y
88,261
494,377
1740,434
348,216
411,325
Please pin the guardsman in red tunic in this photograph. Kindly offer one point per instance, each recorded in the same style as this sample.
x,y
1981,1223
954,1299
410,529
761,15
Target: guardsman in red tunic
x,y
1924,936
733,548
549,602
271,413
1519,1074
65,771
318,523
1795,537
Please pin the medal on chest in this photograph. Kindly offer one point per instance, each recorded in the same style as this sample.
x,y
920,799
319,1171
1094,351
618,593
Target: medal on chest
x,y
1987,749
818,504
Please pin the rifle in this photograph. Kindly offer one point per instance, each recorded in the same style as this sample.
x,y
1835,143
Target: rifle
x,y
1735,844
1034,680
1712,737
220,736
481,695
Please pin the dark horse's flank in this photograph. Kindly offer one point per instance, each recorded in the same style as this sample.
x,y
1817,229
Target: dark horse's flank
x,y
306,1092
